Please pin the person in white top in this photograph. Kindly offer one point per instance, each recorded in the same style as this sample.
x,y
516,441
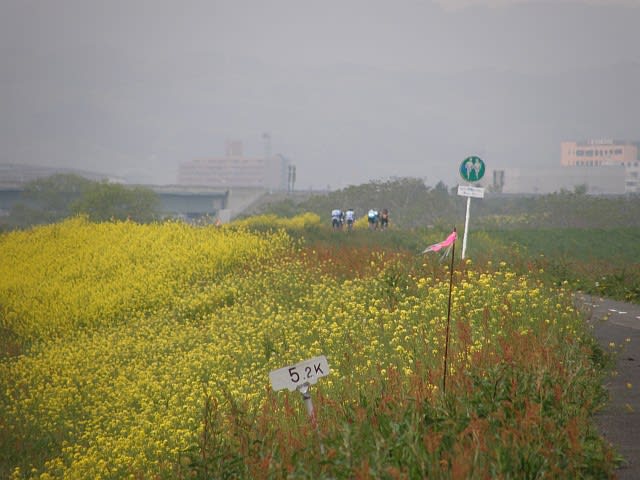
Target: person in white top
x,y
350,216
336,218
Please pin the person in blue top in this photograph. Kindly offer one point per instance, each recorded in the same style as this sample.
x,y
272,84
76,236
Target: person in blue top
x,y
372,218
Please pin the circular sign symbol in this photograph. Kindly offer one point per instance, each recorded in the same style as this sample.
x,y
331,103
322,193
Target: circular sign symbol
x,y
472,169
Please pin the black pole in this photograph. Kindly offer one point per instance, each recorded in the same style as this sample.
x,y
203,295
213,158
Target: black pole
x,y
446,345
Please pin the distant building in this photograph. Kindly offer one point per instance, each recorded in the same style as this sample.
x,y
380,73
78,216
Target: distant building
x,y
600,180
595,153
235,170
605,153
604,167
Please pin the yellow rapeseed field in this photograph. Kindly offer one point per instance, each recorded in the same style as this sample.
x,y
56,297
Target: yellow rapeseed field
x,y
124,329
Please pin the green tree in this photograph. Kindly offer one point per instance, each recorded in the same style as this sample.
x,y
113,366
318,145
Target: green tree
x,y
48,200
412,204
111,201
51,199
581,189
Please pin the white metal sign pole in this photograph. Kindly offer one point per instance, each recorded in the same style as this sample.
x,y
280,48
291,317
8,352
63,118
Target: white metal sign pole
x,y
300,377
472,170
466,228
306,396
468,191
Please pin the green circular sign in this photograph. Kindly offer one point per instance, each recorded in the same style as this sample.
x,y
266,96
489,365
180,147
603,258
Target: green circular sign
x,y
472,169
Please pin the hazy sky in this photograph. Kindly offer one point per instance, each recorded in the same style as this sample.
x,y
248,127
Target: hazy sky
x,y
349,90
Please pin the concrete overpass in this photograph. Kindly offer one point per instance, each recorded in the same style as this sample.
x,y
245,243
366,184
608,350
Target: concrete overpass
x,y
190,203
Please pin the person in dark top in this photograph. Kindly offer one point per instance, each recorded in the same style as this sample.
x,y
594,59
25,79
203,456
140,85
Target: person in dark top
x,y
384,218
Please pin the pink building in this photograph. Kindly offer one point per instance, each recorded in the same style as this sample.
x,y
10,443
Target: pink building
x,y
596,153
235,170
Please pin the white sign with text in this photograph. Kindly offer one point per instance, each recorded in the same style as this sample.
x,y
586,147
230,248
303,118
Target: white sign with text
x,y
294,376
468,191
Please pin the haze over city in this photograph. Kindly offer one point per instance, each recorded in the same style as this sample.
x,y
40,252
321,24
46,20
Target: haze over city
x,y
349,91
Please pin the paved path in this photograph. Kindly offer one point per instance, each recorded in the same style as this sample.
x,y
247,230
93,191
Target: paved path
x,y
619,422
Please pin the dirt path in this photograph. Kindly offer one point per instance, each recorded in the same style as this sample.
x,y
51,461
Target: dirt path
x,y
618,323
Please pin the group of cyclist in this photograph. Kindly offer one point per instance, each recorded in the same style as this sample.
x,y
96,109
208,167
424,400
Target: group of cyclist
x,y
340,217
376,219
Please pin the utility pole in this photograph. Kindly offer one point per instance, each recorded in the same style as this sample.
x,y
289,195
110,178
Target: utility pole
x,y
266,136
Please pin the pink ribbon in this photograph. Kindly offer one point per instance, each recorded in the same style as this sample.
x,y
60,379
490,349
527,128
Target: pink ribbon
x,y
443,244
